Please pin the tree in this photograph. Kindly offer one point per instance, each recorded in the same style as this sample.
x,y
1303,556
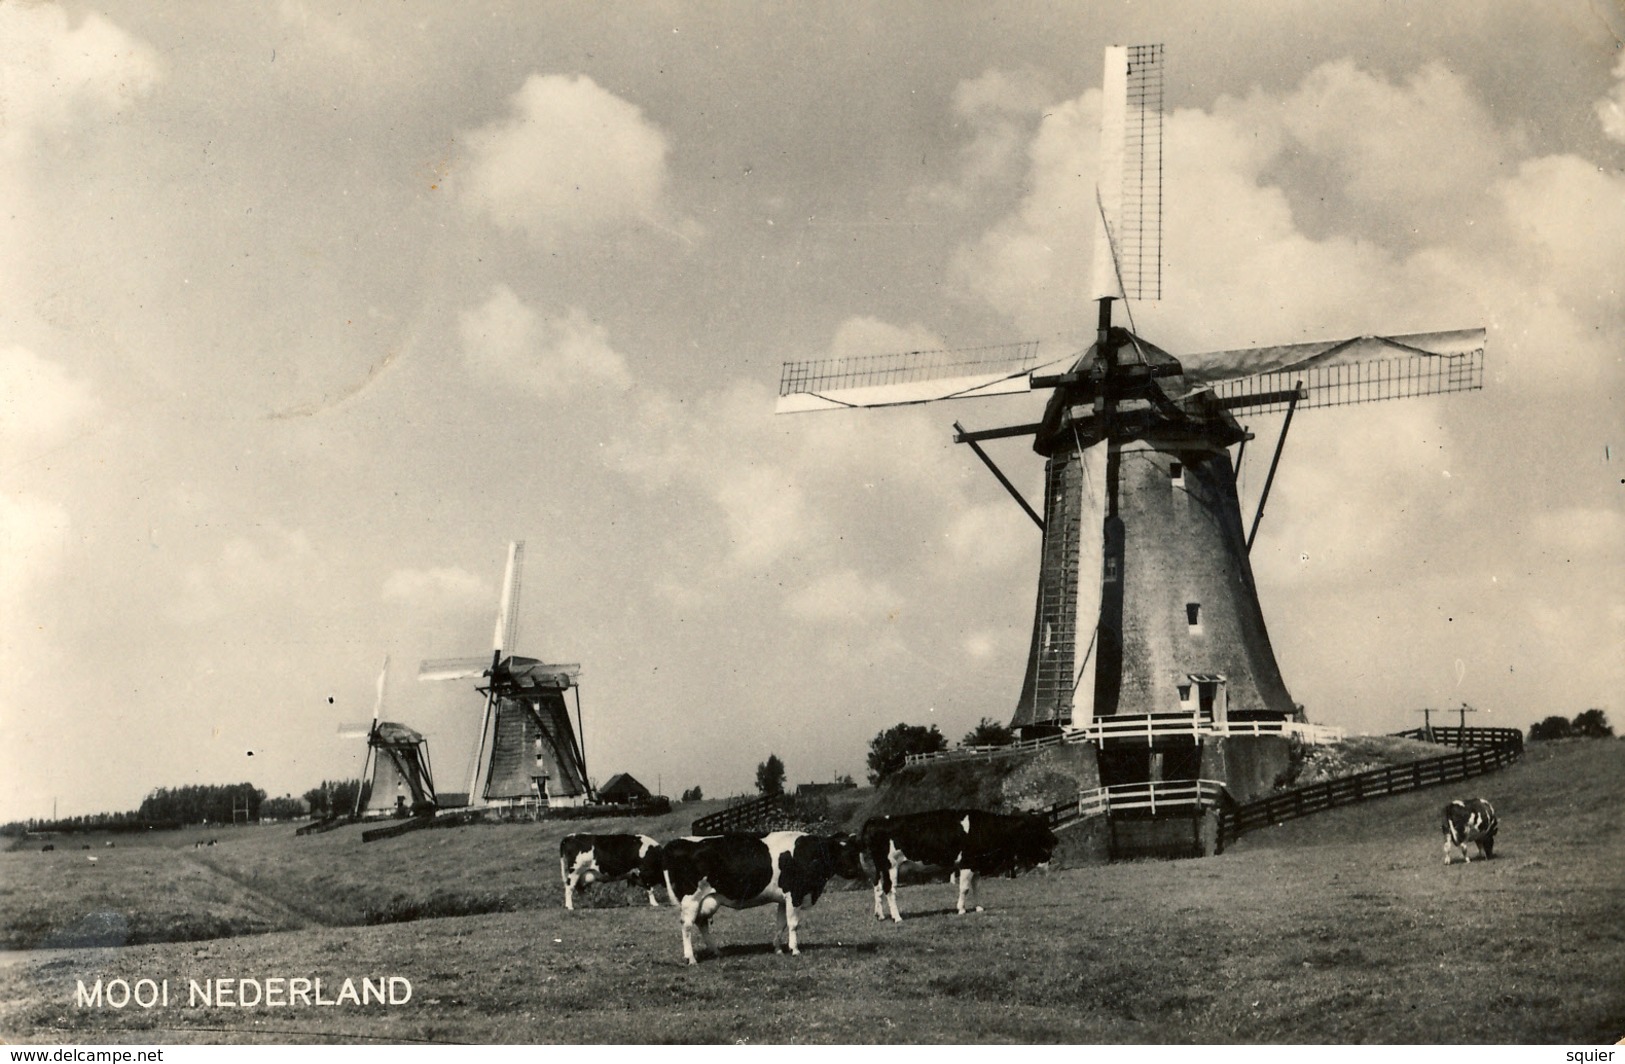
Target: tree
x,y
770,776
888,749
693,794
989,732
1593,724
1551,728
285,808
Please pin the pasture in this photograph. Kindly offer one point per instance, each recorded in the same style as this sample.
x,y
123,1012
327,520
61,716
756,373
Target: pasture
x,y
1342,927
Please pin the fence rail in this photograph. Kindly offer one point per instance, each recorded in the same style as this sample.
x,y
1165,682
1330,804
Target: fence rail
x,y
1147,727
741,816
1152,796
1482,750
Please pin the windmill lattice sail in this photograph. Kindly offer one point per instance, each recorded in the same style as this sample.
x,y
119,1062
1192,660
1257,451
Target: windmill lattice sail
x,y
1128,207
903,378
1362,369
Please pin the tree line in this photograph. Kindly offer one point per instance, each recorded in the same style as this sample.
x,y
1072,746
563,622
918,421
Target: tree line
x,y
1592,724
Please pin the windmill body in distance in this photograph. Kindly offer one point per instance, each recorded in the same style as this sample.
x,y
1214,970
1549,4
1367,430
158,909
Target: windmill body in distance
x,y
527,752
1146,605
397,763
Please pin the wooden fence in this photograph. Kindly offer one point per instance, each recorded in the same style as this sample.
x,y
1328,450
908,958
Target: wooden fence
x,y
741,816
1481,750
1148,728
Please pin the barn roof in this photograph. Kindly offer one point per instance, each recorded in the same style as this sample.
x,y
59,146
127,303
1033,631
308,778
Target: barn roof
x,y
623,783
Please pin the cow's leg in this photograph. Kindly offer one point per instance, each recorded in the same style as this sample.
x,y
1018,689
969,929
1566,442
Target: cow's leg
x,y
791,920
569,887
891,886
880,893
975,889
708,908
780,923
1447,848
653,903
967,883
1487,846
690,909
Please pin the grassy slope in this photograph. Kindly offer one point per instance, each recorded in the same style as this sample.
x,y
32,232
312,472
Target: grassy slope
x,y
1338,928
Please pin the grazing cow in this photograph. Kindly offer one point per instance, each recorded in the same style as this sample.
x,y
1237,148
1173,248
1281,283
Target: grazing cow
x,y
584,858
968,842
787,869
1469,821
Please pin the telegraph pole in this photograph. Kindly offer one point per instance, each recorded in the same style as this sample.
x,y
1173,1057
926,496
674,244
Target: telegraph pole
x,y
1427,724
1465,709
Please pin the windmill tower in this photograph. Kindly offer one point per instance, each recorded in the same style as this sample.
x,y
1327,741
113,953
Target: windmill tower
x,y
397,762
1146,605
526,751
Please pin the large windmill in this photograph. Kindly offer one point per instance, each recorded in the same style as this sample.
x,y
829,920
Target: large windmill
x,y
526,750
397,762
1145,603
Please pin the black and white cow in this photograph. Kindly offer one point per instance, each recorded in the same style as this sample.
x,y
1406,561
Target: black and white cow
x,y
787,869
1470,821
968,842
584,858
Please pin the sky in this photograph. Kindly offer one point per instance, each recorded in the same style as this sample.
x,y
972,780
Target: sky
x,y
307,309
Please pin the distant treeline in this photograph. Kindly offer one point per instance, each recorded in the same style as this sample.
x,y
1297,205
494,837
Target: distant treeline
x,y
177,807
203,803
335,798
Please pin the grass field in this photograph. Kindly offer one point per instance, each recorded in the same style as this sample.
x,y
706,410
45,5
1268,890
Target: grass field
x,y
1343,927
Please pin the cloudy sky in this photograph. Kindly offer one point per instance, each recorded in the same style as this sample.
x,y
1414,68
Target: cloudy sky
x,y
307,309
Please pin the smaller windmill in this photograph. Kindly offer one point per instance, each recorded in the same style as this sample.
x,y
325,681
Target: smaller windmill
x,y
397,762
526,750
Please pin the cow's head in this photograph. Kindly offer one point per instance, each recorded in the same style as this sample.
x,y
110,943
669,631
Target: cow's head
x,y
1032,842
846,856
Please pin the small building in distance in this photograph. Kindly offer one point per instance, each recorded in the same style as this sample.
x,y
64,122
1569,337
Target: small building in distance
x,y
621,789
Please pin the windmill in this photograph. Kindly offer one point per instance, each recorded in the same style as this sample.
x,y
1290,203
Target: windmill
x,y
1146,603
398,762
526,750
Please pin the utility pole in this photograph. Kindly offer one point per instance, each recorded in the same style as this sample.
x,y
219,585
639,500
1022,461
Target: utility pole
x,y
1465,709
1427,724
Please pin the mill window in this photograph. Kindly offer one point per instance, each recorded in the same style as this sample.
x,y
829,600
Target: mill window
x,y
1193,615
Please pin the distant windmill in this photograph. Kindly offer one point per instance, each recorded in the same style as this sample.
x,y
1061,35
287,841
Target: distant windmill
x,y
397,760
526,749
1145,601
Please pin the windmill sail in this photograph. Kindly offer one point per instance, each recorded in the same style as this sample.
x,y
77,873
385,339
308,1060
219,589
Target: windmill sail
x,y
904,378
1361,369
1128,197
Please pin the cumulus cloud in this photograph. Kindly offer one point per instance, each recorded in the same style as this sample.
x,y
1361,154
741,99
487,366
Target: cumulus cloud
x,y
844,596
1611,108
999,108
553,356
39,401
246,574
570,157
33,541
451,588
1582,534
53,73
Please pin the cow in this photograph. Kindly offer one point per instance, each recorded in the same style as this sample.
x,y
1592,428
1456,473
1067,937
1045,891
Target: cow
x,y
584,858
968,842
1470,821
787,869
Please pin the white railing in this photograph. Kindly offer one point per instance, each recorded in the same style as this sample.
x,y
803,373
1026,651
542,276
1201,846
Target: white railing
x,y
1154,796
1150,728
